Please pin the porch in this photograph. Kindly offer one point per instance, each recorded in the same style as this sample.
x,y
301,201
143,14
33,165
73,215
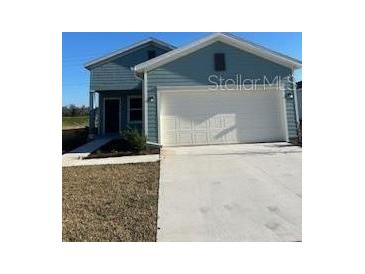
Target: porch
x,y
113,111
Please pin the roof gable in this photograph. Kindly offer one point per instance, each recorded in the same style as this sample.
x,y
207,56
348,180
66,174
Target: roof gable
x,y
224,38
127,50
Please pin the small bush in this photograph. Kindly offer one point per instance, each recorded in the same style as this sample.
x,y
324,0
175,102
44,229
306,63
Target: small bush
x,y
135,139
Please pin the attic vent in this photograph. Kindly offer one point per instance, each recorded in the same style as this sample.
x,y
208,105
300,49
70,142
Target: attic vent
x,y
219,62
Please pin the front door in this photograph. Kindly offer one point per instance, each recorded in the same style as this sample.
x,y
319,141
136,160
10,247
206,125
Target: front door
x,y
112,115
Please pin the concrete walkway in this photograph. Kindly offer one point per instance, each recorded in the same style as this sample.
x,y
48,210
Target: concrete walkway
x,y
85,150
248,192
76,157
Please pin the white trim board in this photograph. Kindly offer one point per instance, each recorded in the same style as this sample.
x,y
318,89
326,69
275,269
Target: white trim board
x,y
145,103
158,105
219,37
230,87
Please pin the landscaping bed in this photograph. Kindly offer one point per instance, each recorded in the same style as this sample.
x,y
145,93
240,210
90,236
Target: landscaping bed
x,y
121,147
110,202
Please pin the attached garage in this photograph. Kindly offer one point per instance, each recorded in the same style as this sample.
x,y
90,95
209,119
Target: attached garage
x,y
204,116
181,109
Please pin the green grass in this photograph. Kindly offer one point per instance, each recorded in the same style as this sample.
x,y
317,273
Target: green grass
x,y
75,122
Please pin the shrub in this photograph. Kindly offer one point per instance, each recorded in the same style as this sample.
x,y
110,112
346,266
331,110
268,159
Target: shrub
x,y
135,139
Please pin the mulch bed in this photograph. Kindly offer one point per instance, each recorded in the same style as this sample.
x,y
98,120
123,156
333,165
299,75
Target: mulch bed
x,y
110,202
118,148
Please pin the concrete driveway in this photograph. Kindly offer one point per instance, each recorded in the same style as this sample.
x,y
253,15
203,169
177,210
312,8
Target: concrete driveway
x,y
249,192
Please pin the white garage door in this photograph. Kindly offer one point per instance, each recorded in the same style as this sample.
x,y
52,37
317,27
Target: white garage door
x,y
221,117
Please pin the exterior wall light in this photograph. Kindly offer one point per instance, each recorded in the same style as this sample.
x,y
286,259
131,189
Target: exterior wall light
x,y
151,99
289,96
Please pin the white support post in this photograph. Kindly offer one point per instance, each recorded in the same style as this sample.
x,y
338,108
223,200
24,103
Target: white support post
x,y
91,112
145,103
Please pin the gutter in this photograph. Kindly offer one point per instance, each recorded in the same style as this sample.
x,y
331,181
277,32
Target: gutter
x,y
295,101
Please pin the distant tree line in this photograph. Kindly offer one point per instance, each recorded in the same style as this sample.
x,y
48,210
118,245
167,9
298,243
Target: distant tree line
x,y
74,111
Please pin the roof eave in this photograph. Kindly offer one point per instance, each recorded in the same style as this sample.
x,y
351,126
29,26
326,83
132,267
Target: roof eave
x,y
126,50
180,52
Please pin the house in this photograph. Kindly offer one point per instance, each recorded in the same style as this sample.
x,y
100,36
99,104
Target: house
x,y
299,96
217,90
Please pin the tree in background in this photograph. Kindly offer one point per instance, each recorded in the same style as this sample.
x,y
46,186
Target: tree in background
x,y
74,111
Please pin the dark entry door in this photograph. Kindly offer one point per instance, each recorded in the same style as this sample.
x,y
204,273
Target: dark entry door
x,y
112,116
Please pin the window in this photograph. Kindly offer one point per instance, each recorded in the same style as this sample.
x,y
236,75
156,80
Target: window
x,y
151,54
135,109
219,62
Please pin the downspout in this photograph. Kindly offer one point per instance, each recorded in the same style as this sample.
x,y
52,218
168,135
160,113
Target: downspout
x,y
285,113
145,103
145,106
295,101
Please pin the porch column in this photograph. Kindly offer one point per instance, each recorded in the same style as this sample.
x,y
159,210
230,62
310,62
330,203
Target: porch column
x,y
91,112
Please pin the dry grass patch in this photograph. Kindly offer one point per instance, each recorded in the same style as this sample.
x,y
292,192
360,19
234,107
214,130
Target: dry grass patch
x,y
110,202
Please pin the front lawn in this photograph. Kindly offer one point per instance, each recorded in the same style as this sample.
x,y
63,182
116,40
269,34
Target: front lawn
x,y
121,147
75,122
110,202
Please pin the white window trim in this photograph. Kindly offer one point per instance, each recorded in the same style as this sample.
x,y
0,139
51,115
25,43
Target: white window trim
x,y
129,109
120,111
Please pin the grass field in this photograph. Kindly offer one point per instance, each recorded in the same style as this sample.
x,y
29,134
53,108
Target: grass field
x,y
110,202
74,122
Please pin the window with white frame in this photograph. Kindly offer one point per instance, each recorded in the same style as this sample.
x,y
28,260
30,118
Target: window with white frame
x,y
135,109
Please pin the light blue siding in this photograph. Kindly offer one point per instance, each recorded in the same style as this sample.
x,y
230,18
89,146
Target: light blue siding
x,y
290,110
196,68
116,74
152,116
114,78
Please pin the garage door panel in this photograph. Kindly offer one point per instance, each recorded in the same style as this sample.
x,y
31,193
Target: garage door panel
x,y
170,123
201,137
191,118
216,136
200,122
184,138
185,124
170,138
216,122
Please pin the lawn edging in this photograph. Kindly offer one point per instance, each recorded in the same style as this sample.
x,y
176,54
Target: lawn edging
x,y
111,160
120,147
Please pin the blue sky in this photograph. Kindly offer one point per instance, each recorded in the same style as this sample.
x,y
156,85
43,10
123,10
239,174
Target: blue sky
x,y
80,47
